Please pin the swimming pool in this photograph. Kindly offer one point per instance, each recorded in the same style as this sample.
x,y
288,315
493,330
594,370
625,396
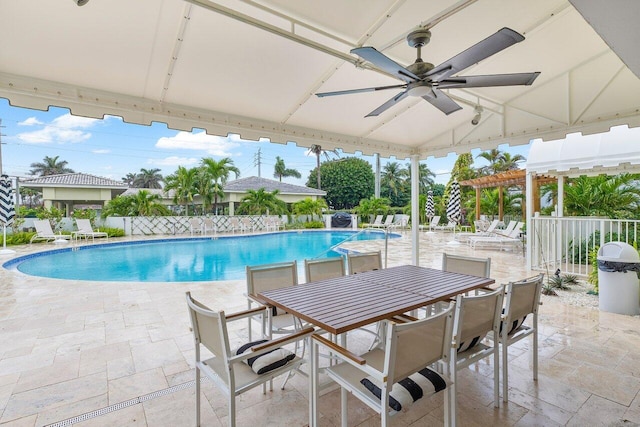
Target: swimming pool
x,y
183,260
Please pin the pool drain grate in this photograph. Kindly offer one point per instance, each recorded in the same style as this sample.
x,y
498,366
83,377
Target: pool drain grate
x,y
121,405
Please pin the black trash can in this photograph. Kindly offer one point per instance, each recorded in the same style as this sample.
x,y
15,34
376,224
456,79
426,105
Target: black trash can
x,y
341,220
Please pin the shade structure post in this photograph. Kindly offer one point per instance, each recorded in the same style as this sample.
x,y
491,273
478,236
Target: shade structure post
x,y
415,213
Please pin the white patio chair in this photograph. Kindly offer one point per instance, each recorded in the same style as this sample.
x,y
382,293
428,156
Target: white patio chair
x,y
234,224
195,226
236,372
475,317
522,299
433,224
209,226
366,261
500,240
45,232
324,268
86,230
377,377
450,226
480,267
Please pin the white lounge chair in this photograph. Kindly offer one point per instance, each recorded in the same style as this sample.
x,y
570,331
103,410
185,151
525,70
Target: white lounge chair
x,y
377,222
451,225
433,224
463,237
387,222
500,240
45,232
86,230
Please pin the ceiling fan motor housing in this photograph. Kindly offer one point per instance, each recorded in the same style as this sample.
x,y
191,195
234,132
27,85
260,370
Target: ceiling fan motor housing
x,y
419,38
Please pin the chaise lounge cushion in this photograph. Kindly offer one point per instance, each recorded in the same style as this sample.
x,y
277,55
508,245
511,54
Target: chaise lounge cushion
x,y
265,362
425,382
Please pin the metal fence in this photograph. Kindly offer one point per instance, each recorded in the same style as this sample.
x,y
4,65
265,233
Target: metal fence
x,y
568,243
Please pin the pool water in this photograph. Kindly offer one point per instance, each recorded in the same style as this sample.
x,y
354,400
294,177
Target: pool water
x,y
183,260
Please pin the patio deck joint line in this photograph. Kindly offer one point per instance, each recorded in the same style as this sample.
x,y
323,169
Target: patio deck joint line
x,y
121,405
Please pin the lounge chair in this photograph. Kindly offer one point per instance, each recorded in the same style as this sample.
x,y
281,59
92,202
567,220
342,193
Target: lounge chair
x,y
500,240
208,225
463,237
377,222
86,230
45,232
195,226
451,225
387,222
433,224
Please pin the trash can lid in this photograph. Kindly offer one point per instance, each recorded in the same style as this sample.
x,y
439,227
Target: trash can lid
x,y
618,252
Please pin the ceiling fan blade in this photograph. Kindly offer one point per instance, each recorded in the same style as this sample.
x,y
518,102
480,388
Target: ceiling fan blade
x,y
366,89
390,103
442,102
490,46
385,64
516,79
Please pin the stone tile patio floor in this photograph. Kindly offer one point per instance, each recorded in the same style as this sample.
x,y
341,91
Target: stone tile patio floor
x,y
69,348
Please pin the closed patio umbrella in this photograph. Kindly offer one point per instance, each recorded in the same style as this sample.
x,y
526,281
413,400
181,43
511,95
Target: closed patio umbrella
x,y
453,207
7,210
429,208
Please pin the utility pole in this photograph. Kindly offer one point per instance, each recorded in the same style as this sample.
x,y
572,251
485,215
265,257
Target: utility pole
x,y
257,160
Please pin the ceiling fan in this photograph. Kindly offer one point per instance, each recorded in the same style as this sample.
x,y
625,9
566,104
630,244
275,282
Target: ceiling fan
x,y
427,81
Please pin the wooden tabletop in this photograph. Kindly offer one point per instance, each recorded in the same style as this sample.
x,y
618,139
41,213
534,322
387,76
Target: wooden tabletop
x,y
349,302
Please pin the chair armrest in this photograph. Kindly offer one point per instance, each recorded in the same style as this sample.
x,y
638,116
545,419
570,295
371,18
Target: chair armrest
x,y
246,313
340,350
255,298
278,342
271,345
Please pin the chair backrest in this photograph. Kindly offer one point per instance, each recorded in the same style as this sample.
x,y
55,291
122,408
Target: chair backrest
x,y
43,227
194,223
266,277
378,220
84,225
388,220
208,222
475,316
325,268
480,267
414,345
366,261
434,221
209,327
509,229
523,297
515,233
492,226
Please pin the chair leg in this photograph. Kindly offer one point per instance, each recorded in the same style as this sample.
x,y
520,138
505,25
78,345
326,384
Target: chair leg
x,y
197,396
505,371
496,376
535,347
343,406
232,409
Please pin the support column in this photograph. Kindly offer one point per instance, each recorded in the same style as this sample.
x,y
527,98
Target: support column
x,y
529,215
415,209
560,201
478,192
501,203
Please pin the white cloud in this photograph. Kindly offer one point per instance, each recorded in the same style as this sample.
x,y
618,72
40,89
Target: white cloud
x,y
211,144
101,151
62,130
174,161
31,121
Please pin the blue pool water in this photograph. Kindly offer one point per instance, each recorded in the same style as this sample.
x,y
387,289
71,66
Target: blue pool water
x,y
182,260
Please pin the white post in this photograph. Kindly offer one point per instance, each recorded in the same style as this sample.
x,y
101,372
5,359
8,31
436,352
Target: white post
x,y
529,215
415,209
559,221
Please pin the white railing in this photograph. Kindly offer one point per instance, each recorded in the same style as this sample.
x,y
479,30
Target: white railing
x,y
566,243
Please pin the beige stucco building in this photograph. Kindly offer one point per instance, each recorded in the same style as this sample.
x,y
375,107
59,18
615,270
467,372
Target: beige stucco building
x,y
75,190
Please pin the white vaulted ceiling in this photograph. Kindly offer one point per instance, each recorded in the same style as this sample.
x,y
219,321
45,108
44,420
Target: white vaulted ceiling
x,y
253,67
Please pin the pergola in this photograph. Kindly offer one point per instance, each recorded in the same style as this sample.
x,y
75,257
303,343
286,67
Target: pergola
x,y
517,177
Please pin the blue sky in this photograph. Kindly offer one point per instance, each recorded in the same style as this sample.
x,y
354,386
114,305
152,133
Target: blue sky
x,y
112,149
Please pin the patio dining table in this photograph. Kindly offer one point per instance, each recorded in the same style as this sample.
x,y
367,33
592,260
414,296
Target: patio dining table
x,y
345,303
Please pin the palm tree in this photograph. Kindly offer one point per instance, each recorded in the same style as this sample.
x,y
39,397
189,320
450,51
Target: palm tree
x,y
50,166
425,177
148,178
508,162
183,183
372,206
610,196
318,151
309,207
280,170
260,202
147,204
130,178
394,177
492,156
218,172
